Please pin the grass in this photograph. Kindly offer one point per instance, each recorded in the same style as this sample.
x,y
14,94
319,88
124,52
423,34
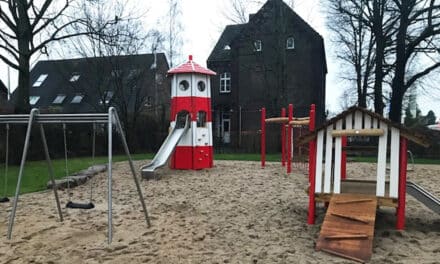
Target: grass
x,y
36,175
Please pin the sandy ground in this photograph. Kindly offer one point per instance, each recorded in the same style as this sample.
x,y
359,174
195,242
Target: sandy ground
x,y
233,213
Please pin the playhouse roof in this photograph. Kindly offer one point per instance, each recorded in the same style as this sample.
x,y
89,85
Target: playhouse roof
x,y
416,137
191,67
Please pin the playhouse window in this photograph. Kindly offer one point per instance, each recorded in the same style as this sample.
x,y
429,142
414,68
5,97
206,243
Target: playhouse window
x,y
201,86
225,82
184,85
290,43
201,119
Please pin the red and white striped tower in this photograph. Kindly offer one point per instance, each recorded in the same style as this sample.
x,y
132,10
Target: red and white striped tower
x,y
191,94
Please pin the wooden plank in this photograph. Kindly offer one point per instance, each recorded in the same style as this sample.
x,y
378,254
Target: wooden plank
x,y
358,132
358,120
394,162
354,201
367,121
382,161
299,122
319,155
348,236
338,160
349,121
277,120
328,160
352,218
355,238
374,123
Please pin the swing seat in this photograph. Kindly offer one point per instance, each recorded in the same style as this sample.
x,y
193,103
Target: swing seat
x,y
4,200
73,205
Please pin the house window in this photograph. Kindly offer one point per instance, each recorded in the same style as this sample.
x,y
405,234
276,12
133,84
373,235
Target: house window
x,y
201,119
59,99
77,99
290,43
116,73
258,46
227,47
74,77
225,82
148,101
40,80
33,100
107,97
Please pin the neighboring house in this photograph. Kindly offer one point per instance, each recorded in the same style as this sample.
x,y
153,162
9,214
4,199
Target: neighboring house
x,y
5,106
273,60
133,83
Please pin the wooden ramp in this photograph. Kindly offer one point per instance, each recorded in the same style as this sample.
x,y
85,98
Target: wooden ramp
x,y
348,227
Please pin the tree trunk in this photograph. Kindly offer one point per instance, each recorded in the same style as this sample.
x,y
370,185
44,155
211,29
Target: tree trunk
x,y
380,49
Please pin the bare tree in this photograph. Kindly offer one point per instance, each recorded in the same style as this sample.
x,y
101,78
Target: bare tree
x,y
27,27
173,35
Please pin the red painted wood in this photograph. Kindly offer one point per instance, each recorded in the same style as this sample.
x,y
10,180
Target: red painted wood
x,y
202,157
191,105
283,139
289,141
263,137
312,169
182,158
400,223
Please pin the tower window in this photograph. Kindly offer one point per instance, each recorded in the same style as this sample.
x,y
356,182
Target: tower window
x,y
290,43
184,85
258,46
201,86
201,119
225,82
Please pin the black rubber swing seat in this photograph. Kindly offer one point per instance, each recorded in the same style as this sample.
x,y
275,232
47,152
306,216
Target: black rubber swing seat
x,y
4,200
86,206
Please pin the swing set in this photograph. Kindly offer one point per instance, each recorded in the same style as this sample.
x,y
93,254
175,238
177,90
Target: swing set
x,y
110,118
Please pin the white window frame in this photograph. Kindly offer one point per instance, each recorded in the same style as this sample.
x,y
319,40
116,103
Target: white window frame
x,y
290,43
59,99
40,80
258,45
225,82
74,77
77,99
33,99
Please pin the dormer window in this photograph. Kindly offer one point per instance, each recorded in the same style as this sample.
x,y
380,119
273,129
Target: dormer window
x,y
77,99
227,47
40,80
290,43
74,77
33,100
258,46
59,99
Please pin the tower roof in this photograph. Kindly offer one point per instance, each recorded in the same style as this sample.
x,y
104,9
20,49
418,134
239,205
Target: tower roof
x,y
191,67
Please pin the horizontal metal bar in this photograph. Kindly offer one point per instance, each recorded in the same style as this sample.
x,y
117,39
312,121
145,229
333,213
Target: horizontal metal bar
x,y
55,118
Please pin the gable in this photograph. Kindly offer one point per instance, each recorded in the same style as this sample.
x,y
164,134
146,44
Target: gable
x,y
219,53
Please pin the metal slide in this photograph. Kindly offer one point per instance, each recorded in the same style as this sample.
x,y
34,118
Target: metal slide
x,y
423,196
167,148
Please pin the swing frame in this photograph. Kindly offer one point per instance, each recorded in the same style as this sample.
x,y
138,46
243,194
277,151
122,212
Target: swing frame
x,y
110,118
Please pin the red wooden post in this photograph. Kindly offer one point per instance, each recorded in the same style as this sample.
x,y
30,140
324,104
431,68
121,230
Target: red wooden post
x,y
312,169
283,139
344,159
263,137
400,224
289,140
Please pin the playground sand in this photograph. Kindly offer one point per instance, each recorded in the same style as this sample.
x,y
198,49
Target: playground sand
x,y
233,213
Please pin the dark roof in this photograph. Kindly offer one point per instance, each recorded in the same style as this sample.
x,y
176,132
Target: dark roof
x,y
219,53
3,89
414,136
96,75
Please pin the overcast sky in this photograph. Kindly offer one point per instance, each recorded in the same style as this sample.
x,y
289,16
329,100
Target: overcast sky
x,y
203,23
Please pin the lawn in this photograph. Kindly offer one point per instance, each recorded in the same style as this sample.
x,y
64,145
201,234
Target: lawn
x,y
36,175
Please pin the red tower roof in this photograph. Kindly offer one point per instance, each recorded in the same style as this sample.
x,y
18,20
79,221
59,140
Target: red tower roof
x,y
191,67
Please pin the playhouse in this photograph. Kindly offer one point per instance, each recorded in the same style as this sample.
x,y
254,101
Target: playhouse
x,y
354,201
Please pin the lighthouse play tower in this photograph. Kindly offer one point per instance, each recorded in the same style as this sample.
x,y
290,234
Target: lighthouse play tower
x,y
191,100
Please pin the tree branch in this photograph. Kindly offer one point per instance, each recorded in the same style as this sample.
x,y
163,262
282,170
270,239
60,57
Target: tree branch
x,y
419,75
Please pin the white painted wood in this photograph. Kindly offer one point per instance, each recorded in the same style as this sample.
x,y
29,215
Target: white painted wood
x,y
349,121
328,160
394,162
367,121
358,120
319,155
338,152
382,161
374,123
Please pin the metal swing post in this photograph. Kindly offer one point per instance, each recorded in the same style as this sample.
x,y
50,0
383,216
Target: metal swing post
x,y
109,180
